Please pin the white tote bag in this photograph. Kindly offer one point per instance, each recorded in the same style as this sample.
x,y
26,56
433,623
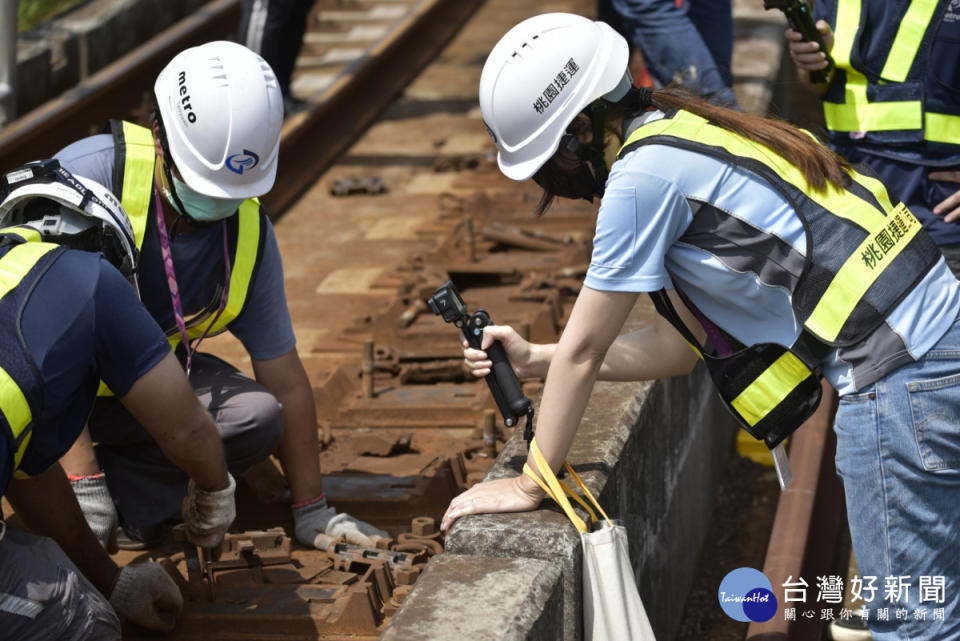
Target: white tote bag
x,y
612,609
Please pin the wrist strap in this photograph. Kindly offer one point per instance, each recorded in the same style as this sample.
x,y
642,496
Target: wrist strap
x,y
559,491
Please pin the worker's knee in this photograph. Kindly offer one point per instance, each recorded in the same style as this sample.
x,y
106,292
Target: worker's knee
x,y
251,428
44,592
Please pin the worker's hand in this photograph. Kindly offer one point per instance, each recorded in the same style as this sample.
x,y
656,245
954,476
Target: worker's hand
x,y
519,352
950,207
208,514
97,506
515,494
807,55
318,524
146,595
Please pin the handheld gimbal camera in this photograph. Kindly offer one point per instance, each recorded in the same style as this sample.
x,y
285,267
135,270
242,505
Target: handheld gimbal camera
x,y
801,20
501,380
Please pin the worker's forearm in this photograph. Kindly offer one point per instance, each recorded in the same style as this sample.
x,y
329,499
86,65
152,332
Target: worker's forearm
x,y
196,449
565,396
48,506
299,450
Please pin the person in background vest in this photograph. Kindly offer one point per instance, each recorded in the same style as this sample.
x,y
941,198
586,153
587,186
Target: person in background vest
x,y
69,318
209,263
747,231
892,101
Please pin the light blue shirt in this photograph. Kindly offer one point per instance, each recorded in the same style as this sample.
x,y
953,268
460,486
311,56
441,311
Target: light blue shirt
x,y
637,248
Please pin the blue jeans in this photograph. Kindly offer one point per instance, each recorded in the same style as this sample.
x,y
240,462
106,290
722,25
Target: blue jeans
x,y
898,453
691,44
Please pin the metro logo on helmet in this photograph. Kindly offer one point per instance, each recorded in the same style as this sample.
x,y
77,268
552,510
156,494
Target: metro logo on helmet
x,y
185,97
239,162
215,100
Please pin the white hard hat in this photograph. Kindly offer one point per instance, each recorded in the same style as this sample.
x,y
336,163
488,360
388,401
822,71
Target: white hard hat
x,y
69,210
221,110
540,75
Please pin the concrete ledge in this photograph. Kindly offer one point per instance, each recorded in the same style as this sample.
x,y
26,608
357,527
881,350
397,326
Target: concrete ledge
x,y
653,453
506,599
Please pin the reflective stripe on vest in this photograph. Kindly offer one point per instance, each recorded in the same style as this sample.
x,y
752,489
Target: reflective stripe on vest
x,y
847,286
884,231
135,148
139,157
857,113
241,274
18,262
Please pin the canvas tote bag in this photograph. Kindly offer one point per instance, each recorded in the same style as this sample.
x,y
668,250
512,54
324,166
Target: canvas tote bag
x,y
612,609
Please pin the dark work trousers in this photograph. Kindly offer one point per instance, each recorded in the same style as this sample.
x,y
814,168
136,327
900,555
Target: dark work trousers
x,y
145,485
274,29
44,597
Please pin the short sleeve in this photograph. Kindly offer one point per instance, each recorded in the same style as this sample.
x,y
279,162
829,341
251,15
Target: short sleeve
x,y
264,327
640,218
128,342
91,157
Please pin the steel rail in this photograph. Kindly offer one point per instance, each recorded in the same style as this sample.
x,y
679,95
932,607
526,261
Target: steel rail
x,y
310,140
313,139
115,90
805,526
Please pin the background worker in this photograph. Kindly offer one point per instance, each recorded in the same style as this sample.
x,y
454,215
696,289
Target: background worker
x,y
893,101
789,260
274,29
68,319
688,43
209,263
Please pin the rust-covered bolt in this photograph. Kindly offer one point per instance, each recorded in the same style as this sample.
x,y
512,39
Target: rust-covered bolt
x,y
406,575
490,433
471,239
367,368
423,526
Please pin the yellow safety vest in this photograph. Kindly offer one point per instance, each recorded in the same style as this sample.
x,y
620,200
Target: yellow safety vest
x,y
21,392
863,256
133,181
894,105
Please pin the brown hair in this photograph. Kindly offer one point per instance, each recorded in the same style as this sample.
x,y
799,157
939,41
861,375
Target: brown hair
x,y
819,165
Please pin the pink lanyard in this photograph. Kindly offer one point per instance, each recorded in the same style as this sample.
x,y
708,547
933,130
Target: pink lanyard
x,y
172,281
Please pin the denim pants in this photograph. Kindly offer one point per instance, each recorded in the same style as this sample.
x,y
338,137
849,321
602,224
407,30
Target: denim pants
x,y
690,42
898,454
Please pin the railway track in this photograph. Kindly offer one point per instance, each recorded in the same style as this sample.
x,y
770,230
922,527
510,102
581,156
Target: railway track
x,y
387,188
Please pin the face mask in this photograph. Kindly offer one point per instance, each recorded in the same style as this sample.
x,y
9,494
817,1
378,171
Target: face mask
x,y
204,209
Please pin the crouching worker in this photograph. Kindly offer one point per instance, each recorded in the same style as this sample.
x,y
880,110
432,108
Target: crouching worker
x,y
68,319
209,264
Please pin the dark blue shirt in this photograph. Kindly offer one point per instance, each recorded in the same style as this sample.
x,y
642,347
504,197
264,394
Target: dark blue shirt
x,y
81,323
264,327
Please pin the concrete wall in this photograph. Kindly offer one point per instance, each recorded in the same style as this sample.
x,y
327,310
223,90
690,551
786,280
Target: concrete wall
x,y
61,51
653,453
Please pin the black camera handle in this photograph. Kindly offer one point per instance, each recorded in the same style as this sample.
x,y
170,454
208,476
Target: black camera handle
x,y
801,20
502,381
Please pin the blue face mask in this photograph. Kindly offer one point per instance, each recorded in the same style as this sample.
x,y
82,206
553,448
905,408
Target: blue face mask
x,y
204,209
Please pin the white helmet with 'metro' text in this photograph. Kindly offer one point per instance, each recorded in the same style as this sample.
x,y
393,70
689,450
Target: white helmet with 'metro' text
x,y
540,75
222,111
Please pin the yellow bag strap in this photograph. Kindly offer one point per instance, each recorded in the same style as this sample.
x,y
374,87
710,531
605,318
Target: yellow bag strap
x,y
559,491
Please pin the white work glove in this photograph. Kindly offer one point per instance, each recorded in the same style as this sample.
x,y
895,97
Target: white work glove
x,y
97,506
146,595
317,525
207,515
